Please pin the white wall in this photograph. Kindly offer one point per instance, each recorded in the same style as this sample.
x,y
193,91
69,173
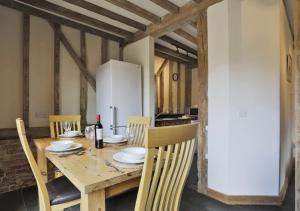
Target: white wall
x,y
244,82
142,52
218,97
41,70
11,67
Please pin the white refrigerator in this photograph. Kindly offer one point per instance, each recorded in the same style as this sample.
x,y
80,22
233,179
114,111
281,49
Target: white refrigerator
x,y
118,95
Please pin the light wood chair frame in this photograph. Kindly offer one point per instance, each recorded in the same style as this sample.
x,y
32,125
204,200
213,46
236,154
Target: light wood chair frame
x,y
169,155
44,200
138,124
56,123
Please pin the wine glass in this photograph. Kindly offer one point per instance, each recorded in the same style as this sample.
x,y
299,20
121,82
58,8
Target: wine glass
x,y
129,134
67,126
89,132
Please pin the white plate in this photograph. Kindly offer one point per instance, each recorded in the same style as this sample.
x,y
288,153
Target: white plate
x,y
114,139
135,152
122,158
62,145
70,134
52,148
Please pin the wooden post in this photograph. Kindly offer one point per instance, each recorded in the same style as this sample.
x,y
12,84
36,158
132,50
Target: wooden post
x,y
26,41
104,50
188,86
161,92
178,88
83,81
56,68
170,87
157,94
202,96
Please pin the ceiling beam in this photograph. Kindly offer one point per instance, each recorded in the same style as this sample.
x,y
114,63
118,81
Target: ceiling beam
x,y
56,19
178,44
167,5
78,16
107,13
169,57
175,54
127,5
198,1
194,25
172,22
186,35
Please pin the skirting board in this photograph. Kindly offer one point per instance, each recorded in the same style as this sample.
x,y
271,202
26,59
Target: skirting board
x,y
255,200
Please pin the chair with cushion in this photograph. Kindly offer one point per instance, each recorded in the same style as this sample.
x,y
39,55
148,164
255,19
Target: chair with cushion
x,y
137,126
169,155
55,195
57,121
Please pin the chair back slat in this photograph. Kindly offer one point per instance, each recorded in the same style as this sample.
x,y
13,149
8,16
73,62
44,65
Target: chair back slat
x,y
45,202
137,127
169,154
56,124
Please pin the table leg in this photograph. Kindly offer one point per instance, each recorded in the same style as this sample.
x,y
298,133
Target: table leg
x,y
94,201
42,163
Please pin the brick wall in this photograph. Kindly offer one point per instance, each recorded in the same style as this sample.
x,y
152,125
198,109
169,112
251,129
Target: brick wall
x,y
15,172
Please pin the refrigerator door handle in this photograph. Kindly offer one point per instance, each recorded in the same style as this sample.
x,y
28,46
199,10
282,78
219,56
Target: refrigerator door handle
x,y
113,119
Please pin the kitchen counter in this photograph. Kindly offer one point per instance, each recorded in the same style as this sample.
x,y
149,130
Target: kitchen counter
x,y
171,119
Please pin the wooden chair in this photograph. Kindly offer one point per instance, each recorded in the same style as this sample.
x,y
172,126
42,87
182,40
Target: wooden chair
x,y
137,126
55,195
56,123
169,155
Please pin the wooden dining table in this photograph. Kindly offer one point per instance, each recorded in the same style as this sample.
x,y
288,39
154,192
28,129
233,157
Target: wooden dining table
x,y
92,171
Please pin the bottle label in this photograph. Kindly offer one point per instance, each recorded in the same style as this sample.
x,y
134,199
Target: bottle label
x,y
99,134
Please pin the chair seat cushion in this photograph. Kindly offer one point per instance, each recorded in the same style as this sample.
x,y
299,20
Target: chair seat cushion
x,y
61,190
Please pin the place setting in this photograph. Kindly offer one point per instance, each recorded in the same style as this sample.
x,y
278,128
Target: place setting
x,y
68,132
65,147
130,157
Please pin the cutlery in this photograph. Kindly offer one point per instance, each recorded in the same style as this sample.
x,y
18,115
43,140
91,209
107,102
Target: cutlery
x,y
109,164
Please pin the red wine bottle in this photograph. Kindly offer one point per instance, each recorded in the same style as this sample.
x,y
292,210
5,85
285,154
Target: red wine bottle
x,y
98,133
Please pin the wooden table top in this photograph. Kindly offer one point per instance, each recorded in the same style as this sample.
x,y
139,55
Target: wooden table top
x,y
92,170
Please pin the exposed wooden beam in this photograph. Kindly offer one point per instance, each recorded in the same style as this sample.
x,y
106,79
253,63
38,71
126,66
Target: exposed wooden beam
x,y
56,68
161,93
171,87
173,53
83,81
104,50
60,20
172,22
26,40
127,5
202,96
194,25
77,16
162,67
178,44
156,78
178,87
188,86
198,1
186,36
167,5
171,58
112,15
83,70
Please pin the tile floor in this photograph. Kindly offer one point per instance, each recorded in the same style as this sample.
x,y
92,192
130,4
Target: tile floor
x,y
26,200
